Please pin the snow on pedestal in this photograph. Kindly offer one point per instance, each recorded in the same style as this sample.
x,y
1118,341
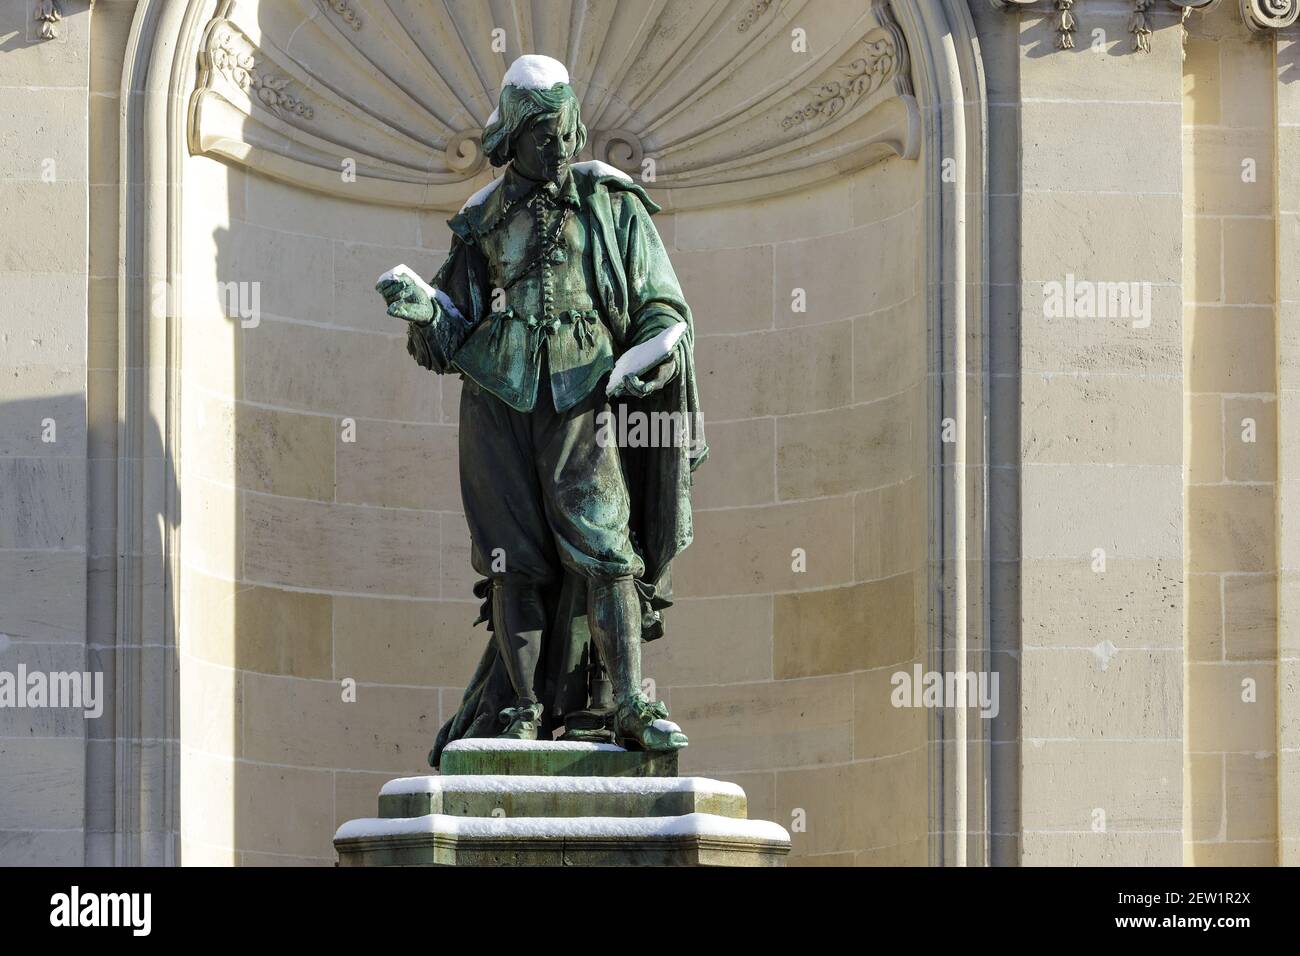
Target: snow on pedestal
x,y
559,746
640,828
489,783
627,815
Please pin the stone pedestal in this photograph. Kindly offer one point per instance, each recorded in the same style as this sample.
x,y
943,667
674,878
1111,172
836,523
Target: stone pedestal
x,y
523,803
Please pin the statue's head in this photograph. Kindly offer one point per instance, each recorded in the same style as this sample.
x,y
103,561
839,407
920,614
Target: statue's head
x,y
537,126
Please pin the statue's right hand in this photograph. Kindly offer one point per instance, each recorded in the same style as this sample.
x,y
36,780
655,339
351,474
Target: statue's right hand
x,y
406,300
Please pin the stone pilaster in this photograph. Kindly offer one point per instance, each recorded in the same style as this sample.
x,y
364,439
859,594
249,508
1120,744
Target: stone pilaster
x,y
1288,280
1100,462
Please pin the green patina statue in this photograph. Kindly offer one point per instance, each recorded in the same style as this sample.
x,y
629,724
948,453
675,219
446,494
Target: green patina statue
x,y
560,311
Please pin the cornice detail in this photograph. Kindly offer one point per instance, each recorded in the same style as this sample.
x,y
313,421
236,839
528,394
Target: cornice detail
x,y
1259,15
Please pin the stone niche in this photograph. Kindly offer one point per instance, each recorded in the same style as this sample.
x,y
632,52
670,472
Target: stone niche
x,y
323,601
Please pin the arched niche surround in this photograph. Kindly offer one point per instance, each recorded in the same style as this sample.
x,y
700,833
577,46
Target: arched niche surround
x,y
901,78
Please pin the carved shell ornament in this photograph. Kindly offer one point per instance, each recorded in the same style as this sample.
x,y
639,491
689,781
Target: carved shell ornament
x,y
705,102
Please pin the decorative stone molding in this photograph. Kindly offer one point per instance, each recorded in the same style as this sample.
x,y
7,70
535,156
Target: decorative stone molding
x,y
1180,4
1262,15
465,151
344,10
753,14
1186,8
1140,26
948,73
619,147
233,55
146,796
863,76
727,111
48,14
1065,24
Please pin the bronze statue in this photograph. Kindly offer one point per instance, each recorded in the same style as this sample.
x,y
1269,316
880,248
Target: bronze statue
x,y
560,311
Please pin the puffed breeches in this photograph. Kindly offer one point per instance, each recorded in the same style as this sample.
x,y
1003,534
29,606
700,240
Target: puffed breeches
x,y
541,493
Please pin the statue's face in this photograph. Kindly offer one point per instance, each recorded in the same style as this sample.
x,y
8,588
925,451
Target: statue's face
x,y
544,149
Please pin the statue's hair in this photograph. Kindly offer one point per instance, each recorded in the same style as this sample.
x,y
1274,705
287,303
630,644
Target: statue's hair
x,y
517,108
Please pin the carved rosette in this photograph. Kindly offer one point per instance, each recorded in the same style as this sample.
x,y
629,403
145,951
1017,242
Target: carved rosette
x,y
709,102
1263,15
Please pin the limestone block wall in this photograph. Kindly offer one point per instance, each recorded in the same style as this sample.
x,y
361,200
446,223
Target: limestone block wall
x,y
1152,462
1229,270
45,450
1101,442
783,677
310,559
1142,591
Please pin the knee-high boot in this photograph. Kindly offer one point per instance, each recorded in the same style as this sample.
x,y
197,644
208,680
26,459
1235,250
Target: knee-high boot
x,y
518,621
614,619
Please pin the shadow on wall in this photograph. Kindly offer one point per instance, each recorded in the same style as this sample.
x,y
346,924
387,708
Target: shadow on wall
x,y
1288,62
58,709
42,621
317,643
36,29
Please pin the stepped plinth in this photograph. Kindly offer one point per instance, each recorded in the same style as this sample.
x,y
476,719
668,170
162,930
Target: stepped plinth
x,y
559,758
536,803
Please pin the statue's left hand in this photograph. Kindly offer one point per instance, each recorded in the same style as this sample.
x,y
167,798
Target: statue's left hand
x,y
656,378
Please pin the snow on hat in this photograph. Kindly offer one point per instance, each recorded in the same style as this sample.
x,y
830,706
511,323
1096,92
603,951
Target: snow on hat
x,y
534,85
532,71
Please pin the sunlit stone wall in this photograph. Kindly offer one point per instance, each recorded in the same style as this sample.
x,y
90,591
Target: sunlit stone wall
x,y
311,559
